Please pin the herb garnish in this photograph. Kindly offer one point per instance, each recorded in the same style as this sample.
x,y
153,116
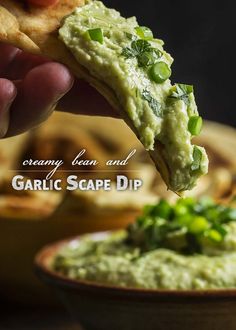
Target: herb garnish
x,y
182,227
181,92
143,51
137,47
153,103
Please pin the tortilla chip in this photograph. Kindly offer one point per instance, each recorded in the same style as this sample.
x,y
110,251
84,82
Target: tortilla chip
x,y
35,30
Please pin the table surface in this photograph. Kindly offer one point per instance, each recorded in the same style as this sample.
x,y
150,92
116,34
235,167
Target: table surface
x,y
22,317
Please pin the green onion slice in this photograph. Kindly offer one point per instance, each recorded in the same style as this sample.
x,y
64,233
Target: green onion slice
x,y
198,225
96,35
159,72
181,92
144,32
197,157
195,125
214,236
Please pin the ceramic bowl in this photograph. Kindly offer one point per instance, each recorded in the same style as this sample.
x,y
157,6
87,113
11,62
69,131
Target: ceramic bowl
x,y
103,307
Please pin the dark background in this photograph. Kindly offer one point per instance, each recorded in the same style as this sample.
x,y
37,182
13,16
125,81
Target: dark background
x,y
201,36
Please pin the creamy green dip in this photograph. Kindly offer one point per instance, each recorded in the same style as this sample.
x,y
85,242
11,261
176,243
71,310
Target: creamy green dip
x,y
117,52
152,253
112,262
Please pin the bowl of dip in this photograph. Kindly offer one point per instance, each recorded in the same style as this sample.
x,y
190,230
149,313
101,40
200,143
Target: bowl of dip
x,y
173,272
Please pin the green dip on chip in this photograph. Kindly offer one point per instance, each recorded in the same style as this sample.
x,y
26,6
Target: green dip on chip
x,y
133,64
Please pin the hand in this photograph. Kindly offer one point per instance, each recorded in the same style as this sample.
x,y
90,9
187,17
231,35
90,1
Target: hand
x,y
32,86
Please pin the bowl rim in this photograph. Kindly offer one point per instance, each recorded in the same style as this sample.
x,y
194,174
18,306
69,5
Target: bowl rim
x,y
56,279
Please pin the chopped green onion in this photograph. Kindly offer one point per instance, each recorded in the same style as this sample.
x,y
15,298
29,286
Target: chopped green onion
x,y
147,58
130,36
186,201
182,227
181,89
188,89
214,236
181,92
144,32
197,157
212,214
195,125
162,209
218,227
96,35
198,225
180,210
159,72
184,220
147,209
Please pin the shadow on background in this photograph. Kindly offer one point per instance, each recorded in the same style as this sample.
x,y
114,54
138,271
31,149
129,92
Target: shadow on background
x,y
200,35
